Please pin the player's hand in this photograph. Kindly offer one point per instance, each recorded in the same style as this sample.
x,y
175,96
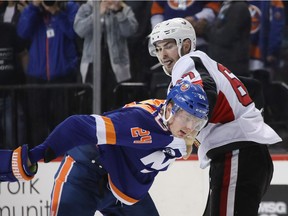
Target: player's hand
x,y
21,166
16,166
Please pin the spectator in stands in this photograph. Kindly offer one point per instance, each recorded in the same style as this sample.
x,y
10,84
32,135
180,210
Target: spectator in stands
x,y
198,13
12,55
229,37
9,11
52,59
118,23
268,22
282,74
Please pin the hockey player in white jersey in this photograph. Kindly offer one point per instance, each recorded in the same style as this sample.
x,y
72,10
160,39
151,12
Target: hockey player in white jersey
x,y
234,142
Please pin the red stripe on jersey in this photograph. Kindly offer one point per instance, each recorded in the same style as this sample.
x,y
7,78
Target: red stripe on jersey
x,y
222,112
225,184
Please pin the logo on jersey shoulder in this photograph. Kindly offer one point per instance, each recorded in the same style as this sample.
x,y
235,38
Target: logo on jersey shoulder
x,y
180,4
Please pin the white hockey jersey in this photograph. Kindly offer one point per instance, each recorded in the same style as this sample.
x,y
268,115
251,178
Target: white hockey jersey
x,y
235,117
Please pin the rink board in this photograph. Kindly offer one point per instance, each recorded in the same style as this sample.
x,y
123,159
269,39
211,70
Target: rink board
x,y
182,190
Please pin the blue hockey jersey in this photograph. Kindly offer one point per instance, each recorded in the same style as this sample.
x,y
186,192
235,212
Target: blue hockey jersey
x,y
132,143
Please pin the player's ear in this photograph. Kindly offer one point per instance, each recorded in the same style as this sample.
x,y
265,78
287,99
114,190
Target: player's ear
x,y
186,46
168,109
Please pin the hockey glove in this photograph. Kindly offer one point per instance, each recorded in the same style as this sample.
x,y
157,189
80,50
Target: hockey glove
x,y
14,165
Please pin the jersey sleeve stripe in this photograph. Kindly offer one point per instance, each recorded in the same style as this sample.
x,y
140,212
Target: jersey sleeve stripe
x,y
59,182
119,195
110,131
105,131
100,129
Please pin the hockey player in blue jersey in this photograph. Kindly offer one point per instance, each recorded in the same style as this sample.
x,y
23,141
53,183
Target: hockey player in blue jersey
x,y
111,160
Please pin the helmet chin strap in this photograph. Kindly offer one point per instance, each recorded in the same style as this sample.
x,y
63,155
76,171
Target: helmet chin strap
x,y
179,50
166,72
165,120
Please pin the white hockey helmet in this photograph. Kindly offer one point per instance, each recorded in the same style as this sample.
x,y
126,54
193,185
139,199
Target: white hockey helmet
x,y
178,29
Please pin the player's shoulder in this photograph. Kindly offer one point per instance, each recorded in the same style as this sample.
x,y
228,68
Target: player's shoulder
x,y
200,54
194,54
188,61
150,105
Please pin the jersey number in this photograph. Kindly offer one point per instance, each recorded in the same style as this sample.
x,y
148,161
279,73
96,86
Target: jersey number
x,y
237,85
143,134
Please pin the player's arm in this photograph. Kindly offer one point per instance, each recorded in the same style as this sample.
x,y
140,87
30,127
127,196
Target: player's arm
x,y
21,164
192,69
74,131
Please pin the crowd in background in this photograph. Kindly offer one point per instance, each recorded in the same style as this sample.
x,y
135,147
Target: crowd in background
x,y
51,42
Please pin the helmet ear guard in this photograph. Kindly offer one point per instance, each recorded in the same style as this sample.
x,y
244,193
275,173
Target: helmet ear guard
x,y
165,120
151,47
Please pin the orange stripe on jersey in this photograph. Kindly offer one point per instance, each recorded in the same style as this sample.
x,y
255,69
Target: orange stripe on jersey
x,y
121,196
255,52
156,102
215,6
110,131
277,3
58,185
156,9
146,105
